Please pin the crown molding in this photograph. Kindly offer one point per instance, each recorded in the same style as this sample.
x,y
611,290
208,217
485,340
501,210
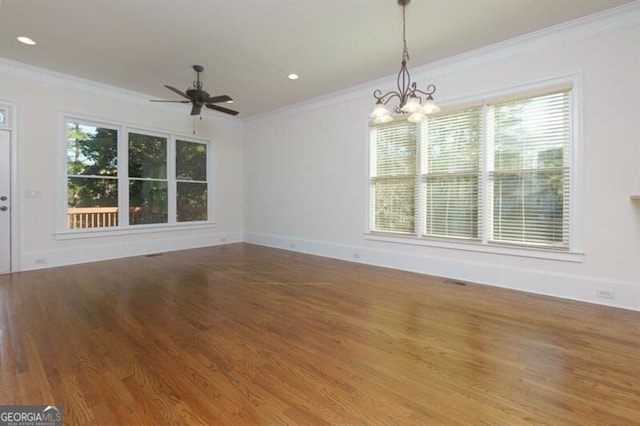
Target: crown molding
x,y
618,18
614,19
96,88
610,20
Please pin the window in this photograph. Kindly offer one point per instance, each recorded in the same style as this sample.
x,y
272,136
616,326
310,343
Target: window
x,y
393,179
122,178
494,174
530,173
148,183
451,174
191,177
92,176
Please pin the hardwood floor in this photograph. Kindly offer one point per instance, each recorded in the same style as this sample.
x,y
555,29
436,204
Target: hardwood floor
x,y
241,334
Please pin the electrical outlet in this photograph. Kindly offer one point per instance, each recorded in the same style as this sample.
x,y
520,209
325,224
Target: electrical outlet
x,y
605,294
356,255
40,261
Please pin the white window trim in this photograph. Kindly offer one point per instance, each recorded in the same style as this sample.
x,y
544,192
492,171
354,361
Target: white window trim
x,y
574,252
62,233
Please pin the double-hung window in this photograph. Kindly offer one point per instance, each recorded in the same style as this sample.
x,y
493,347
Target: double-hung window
x,y
394,152
118,177
92,175
148,181
497,173
529,170
450,174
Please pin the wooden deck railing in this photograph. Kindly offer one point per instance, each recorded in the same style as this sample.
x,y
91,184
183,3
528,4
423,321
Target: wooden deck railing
x,y
91,217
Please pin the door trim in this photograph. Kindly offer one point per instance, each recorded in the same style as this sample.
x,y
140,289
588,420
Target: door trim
x,y
11,126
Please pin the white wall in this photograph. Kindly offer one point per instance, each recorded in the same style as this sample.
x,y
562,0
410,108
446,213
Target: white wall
x,y
306,166
41,96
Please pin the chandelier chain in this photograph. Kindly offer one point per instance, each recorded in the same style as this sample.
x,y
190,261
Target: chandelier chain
x,y
405,51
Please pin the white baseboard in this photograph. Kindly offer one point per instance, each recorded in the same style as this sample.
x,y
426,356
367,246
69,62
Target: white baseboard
x,y
98,252
544,282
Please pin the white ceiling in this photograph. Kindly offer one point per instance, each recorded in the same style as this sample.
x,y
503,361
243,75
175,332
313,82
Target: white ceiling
x,y
248,47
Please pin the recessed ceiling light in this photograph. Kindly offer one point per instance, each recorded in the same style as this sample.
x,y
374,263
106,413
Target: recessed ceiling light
x,y
230,102
26,40
293,76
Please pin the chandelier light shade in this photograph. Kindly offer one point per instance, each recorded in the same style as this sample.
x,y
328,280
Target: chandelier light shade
x,y
412,101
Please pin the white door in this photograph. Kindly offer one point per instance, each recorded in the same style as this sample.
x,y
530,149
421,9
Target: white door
x,y
5,201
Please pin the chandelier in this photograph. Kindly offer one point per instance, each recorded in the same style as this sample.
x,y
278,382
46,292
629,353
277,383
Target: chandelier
x,y
410,99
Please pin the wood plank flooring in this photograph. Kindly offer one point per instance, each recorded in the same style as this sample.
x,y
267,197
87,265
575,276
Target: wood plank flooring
x,y
242,334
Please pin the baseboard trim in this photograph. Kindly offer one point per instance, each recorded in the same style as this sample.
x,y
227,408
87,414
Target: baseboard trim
x,y
167,243
566,286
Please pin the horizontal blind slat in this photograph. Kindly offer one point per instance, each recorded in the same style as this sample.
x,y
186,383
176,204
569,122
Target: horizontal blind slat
x,y
530,182
451,168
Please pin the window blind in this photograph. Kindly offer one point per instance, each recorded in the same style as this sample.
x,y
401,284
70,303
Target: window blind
x,y
451,170
393,177
497,173
530,176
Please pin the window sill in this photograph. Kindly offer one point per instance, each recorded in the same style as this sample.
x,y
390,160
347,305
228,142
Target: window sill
x,y
478,247
130,230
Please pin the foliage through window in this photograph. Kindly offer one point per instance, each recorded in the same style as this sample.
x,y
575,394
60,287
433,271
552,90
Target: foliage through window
x,y
148,184
92,176
497,173
191,177
149,179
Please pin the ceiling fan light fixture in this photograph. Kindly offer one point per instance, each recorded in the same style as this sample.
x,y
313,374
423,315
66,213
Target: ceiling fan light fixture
x,y
409,96
293,76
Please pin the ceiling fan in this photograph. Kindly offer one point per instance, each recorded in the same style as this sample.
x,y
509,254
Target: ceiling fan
x,y
199,97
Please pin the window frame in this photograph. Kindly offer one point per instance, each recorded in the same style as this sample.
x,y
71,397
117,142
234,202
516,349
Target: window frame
x,y
124,156
425,176
62,232
177,180
573,253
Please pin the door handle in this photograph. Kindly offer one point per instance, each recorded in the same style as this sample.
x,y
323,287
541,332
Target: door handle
x,y
3,208
3,198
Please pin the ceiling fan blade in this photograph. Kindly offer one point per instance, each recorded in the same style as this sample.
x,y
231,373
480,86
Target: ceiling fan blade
x,y
179,92
196,109
157,100
221,98
222,109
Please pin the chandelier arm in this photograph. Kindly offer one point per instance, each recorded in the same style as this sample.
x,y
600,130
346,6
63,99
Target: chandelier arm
x,y
412,89
431,89
384,99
